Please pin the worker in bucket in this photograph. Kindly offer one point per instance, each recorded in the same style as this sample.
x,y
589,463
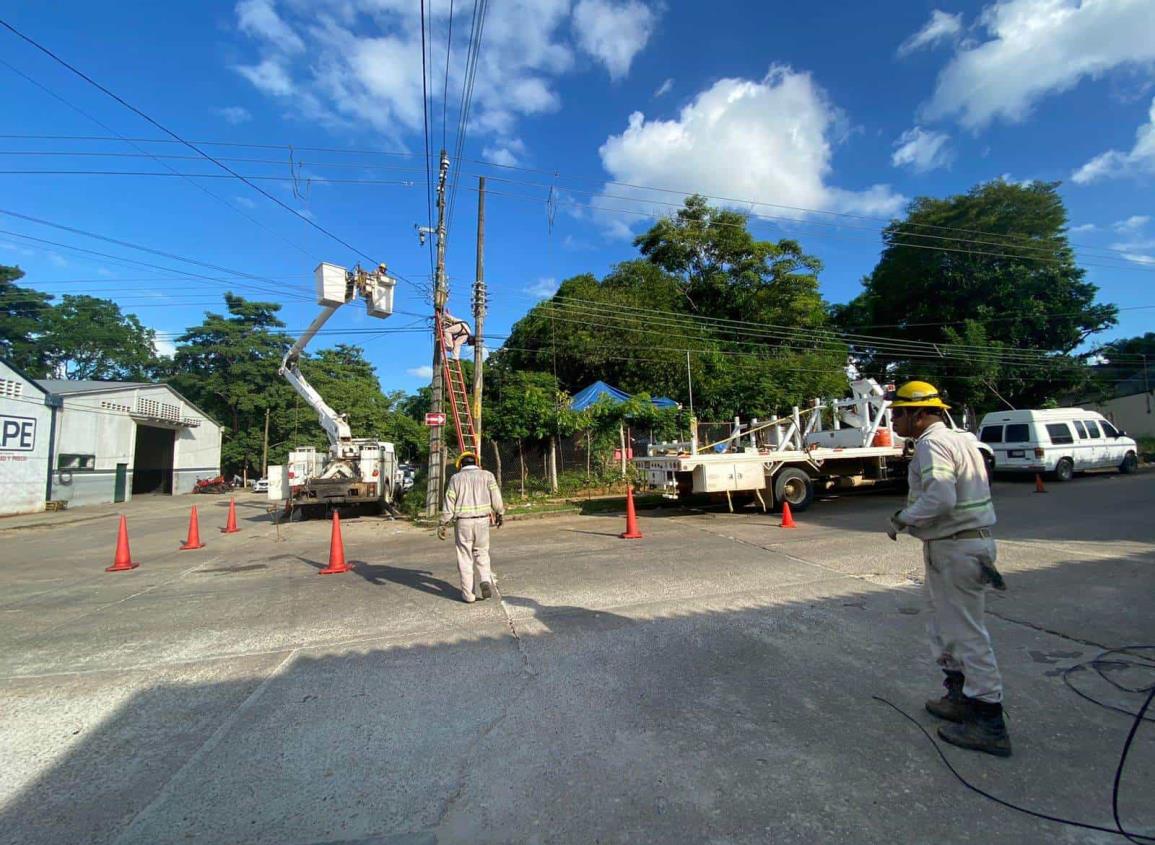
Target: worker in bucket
x,y
472,499
949,508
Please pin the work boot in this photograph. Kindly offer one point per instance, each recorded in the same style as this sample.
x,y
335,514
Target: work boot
x,y
486,590
954,706
985,730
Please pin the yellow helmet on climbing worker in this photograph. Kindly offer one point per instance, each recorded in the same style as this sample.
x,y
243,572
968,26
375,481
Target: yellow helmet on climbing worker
x,y
466,457
918,394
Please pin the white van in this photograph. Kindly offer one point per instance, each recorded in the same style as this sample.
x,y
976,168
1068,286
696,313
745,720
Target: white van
x,y
1060,441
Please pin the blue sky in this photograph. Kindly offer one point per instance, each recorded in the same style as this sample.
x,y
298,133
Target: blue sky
x,y
831,116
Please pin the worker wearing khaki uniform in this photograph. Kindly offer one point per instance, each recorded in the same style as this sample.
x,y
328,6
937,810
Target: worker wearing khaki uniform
x,y
471,499
949,508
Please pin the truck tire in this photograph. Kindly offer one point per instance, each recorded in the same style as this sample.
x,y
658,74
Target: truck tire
x,y
794,486
1130,463
1064,470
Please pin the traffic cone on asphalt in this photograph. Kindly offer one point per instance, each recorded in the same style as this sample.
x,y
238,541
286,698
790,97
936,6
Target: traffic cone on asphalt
x,y
337,563
1039,488
123,560
787,517
231,524
631,532
193,541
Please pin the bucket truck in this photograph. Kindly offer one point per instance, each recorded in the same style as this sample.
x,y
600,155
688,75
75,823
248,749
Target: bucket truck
x,y
357,470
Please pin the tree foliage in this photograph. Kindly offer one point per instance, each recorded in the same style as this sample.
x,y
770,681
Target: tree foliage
x,y
85,337
22,313
748,312
980,274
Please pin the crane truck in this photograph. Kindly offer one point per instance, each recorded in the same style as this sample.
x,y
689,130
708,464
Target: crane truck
x,y
837,443
357,470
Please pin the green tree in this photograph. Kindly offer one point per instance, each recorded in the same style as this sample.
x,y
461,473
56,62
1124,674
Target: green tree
x,y
22,315
228,366
1127,362
977,274
85,337
705,286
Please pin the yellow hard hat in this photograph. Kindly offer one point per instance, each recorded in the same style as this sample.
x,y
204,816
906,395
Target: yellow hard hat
x,y
918,394
463,456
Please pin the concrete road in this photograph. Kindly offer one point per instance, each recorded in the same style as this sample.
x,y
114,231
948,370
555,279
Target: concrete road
x,y
712,682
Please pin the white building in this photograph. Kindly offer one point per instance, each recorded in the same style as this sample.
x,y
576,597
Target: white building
x,y
116,439
26,418
1131,406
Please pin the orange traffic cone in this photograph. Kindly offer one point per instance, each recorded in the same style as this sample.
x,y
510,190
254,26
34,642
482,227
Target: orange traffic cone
x,y
631,532
787,517
123,560
231,524
193,541
337,563
1039,488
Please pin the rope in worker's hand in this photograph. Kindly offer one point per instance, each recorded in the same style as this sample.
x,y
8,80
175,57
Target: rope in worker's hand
x,y
1128,657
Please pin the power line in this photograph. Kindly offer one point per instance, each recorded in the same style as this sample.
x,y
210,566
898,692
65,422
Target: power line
x,y
557,174
188,144
144,152
445,89
425,128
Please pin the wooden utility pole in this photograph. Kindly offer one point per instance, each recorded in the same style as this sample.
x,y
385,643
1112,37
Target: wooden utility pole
x,y
479,319
265,457
437,457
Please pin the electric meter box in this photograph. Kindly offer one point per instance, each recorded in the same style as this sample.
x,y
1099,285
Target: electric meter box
x,y
380,302
332,287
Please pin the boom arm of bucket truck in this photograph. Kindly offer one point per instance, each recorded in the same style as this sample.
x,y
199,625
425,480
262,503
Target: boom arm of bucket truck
x,y
336,286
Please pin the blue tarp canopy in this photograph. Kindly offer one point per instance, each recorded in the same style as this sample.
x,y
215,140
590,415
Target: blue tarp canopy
x,y
588,396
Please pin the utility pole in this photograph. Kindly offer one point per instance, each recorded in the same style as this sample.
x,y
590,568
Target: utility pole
x,y
437,405
479,318
1146,383
265,458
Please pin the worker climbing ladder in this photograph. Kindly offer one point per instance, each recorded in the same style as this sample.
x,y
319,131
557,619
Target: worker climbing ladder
x,y
449,329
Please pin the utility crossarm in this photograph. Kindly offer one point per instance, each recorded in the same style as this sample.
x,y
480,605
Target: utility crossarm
x,y
335,287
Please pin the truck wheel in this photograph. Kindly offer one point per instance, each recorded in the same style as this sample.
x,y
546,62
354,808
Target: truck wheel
x,y
1064,470
794,486
1130,464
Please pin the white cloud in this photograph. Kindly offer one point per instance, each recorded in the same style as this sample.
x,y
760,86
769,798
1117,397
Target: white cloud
x,y
543,288
420,372
922,150
767,140
665,88
235,114
1138,258
270,76
244,202
1040,47
1085,227
1115,163
164,347
259,19
941,27
1131,224
361,64
613,32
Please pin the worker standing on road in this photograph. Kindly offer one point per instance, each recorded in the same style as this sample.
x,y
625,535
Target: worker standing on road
x,y
949,508
473,498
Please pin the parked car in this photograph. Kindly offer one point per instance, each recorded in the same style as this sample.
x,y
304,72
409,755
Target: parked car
x,y
261,485
1059,441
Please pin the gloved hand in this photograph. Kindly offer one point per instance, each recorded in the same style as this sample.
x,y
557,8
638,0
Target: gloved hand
x,y
895,526
442,531
499,520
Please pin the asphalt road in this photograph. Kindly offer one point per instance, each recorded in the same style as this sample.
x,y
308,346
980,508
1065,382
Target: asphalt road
x,y
712,682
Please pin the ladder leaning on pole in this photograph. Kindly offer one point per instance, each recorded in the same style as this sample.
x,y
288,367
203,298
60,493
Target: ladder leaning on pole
x,y
453,380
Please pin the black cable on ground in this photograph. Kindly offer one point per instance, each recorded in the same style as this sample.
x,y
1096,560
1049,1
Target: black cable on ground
x,y
1138,718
